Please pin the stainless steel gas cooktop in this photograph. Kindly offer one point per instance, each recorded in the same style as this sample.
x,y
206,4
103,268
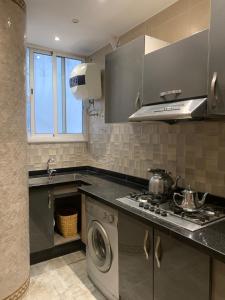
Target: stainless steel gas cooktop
x,y
168,212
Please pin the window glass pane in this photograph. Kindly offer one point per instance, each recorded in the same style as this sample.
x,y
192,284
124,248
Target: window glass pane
x,y
28,108
43,93
60,95
74,116
70,112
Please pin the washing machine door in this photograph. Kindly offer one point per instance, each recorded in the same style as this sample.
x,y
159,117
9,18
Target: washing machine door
x,y
99,247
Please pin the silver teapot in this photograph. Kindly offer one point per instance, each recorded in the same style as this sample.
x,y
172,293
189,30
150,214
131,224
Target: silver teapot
x,y
190,200
161,182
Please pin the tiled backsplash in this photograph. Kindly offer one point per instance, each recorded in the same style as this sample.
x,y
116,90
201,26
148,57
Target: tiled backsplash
x,y
194,150
64,154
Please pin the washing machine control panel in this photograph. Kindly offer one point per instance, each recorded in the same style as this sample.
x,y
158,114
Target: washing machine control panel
x,y
109,218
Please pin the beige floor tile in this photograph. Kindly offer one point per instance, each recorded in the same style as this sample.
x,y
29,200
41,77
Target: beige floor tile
x,y
47,266
74,257
63,278
41,290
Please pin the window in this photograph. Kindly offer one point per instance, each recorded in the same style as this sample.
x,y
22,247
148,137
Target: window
x,y
43,93
53,114
28,112
67,106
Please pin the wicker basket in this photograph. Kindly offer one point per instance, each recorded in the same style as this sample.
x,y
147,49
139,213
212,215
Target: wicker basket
x,y
67,222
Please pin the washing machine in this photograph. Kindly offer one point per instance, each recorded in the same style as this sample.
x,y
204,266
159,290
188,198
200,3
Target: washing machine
x,y
102,248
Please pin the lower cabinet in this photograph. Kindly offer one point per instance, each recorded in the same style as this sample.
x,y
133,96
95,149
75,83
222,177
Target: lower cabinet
x,y
154,265
135,259
180,272
218,280
41,218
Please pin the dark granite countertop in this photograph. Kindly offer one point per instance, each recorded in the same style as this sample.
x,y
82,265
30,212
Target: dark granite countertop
x,y
108,186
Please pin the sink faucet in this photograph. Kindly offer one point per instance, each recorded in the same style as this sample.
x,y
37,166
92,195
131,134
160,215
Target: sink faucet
x,y
50,171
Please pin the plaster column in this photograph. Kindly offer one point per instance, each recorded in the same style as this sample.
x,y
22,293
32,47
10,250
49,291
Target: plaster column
x,y
14,233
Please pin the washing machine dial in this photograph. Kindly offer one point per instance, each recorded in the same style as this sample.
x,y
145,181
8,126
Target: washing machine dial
x,y
111,218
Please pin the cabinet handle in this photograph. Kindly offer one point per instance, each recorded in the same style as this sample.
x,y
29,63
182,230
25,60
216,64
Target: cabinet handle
x,y
213,89
49,200
145,244
173,92
138,101
157,252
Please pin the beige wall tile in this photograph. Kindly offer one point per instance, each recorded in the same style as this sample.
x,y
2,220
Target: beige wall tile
x,y
64,154
14,245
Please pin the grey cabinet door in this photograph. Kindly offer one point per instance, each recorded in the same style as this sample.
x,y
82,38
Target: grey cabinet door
x,y
123,81
216,99
181,272
218,279
41,216
135,259
181,66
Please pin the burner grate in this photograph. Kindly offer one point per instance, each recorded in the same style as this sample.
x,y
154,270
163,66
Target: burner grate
x,y
148,197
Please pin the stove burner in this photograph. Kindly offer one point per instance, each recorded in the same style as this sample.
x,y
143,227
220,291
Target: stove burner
x,y
143,199
147,197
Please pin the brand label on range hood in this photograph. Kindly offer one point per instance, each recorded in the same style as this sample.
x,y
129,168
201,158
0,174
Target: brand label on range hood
x,y
181,110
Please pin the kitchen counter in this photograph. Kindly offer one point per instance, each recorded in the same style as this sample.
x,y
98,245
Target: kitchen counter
x,y
108,186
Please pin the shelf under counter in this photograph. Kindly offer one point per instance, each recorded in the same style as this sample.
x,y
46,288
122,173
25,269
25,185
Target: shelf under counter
x,y
60,240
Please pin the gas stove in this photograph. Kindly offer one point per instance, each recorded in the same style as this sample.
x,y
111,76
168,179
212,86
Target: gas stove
x,y
167,211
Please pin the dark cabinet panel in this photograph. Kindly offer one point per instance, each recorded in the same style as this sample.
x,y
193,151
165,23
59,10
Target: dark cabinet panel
x,y
218,279
123,81
135,259
41,217
180,271
216,100
180,67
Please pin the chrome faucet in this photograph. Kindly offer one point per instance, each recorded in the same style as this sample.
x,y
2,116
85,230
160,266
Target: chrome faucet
x,y
50,171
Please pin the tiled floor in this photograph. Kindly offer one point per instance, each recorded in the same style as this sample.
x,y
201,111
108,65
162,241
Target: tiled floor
x,y
63,278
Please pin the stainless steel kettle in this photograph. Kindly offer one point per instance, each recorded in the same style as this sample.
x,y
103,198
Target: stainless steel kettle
x,y
190,200
161,183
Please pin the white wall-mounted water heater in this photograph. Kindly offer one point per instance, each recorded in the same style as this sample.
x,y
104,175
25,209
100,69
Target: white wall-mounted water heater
x,y
85,82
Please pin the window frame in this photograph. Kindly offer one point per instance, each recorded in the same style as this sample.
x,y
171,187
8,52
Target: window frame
x,y
56,137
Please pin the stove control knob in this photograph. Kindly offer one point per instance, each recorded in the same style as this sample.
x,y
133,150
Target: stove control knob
x,y
152,208
146,206
217,213
207,218
157,211
182,214
141,204
202,219
163,213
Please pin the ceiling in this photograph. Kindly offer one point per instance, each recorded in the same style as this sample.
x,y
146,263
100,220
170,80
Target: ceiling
x,y
99,21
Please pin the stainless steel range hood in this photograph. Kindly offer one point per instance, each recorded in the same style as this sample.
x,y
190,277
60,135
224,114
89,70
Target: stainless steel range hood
x,y
188,109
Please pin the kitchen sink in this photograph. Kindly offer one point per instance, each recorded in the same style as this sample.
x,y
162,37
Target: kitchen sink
x,y
57,178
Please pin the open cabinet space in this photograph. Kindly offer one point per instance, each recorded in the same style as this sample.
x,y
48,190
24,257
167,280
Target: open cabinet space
x,y
67,205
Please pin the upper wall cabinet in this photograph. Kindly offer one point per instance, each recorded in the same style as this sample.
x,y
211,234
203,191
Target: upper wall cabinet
x,y
216,99
178,71
123,78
